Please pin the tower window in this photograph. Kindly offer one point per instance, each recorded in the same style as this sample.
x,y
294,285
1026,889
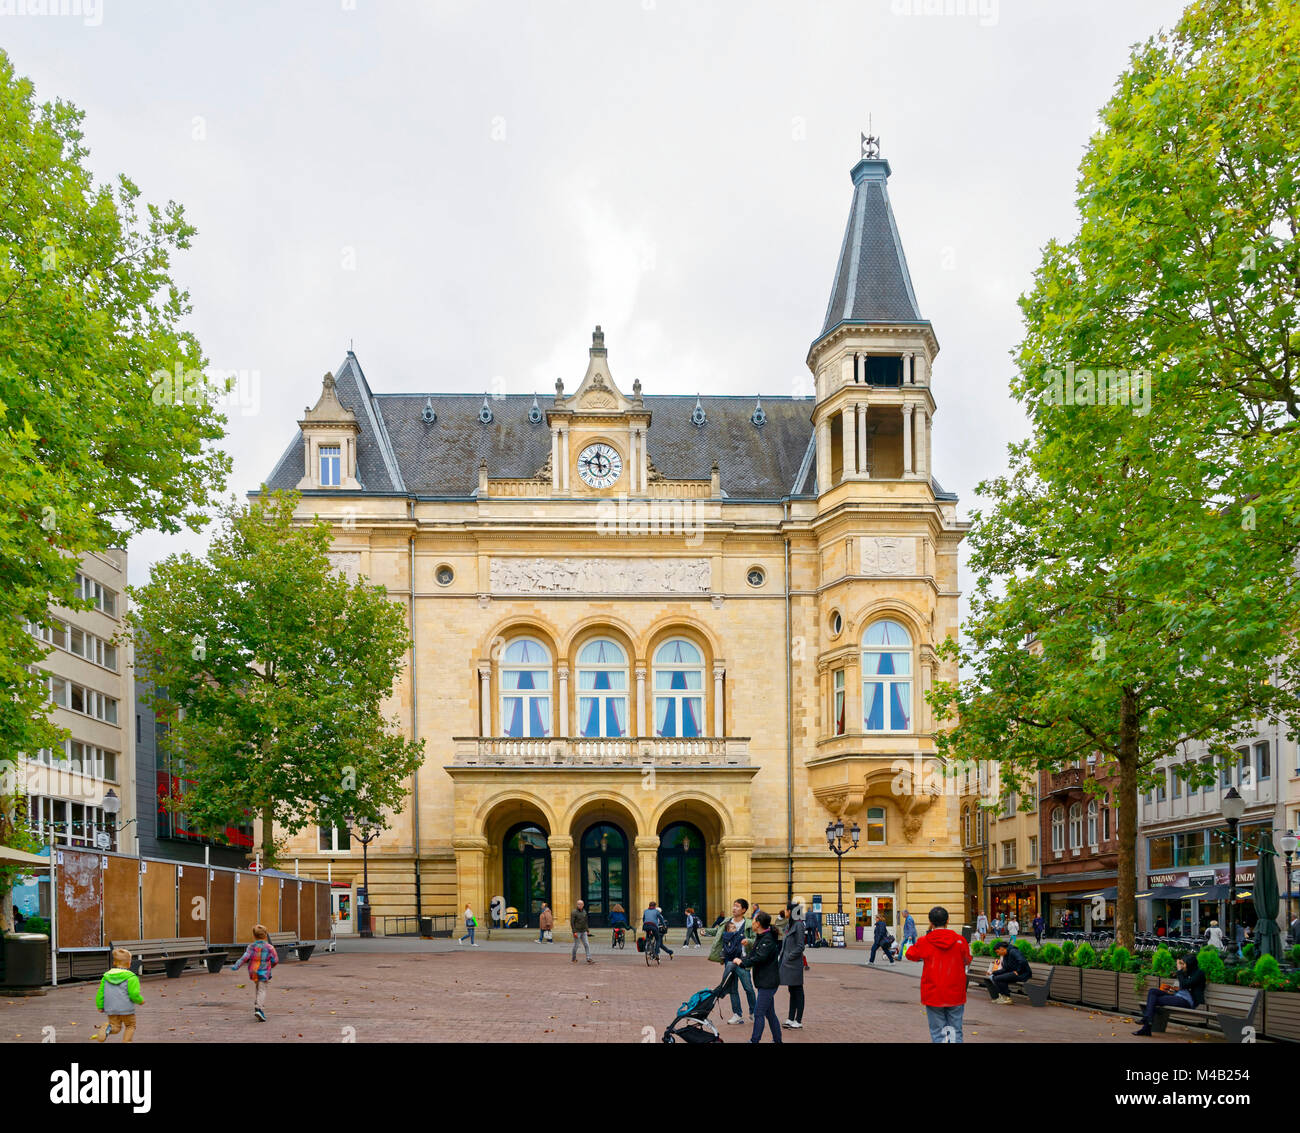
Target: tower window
x,y
884,370
331,466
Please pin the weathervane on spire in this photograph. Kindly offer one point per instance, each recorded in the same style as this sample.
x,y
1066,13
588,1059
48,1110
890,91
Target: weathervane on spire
x,y
870,142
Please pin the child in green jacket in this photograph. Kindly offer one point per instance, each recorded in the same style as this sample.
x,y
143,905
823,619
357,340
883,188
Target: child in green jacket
x,y
119,992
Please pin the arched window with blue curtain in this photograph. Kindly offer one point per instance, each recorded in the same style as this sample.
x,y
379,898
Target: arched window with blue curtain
x,y
679,689
526,689
886,678
602,689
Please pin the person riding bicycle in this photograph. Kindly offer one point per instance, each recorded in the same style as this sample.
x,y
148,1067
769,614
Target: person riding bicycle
x,y
618,923
654,921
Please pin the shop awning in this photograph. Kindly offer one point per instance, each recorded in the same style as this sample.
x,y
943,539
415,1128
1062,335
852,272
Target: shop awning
x,y
1157,893
10,856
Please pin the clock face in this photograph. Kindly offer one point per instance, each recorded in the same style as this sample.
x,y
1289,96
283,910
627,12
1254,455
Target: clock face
x,y
599,465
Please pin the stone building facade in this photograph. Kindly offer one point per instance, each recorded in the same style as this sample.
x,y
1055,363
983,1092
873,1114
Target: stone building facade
x,y
660,641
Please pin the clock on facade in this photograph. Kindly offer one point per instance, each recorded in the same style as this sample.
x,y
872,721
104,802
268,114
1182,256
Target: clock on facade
x,y
599,465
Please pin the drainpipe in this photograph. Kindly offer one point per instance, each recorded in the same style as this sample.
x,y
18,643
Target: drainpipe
x,y
415,722
789,723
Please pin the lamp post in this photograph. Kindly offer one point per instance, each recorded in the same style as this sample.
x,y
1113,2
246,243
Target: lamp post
x,y
1234,806
1288,843
111,805
835,843
365,832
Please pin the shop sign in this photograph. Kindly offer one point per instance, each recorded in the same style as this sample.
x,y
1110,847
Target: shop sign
x,y
1244,876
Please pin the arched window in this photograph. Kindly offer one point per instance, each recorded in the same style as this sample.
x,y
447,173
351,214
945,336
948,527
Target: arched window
x,y
875,826
1058,829
679,689
1076,825
886,678
526,689
1092,822
602,689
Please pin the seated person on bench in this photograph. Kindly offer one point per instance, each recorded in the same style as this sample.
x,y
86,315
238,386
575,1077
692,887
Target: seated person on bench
x,y
1190,992
1009,968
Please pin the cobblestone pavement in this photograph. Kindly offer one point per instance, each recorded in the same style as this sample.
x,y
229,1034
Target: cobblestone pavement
x,y
421,991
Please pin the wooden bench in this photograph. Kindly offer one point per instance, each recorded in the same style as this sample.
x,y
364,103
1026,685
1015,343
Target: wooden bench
x,y
172,954
289,942
1036,989
1229,1008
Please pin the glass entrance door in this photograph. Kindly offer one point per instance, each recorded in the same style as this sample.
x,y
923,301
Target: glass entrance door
x,y
604,874
681,872
872,898
526,863
341,910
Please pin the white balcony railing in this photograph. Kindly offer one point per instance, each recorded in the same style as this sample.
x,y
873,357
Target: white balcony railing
x,y
506,751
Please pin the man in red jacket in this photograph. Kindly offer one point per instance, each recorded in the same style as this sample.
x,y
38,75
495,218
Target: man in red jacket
x,y
946,956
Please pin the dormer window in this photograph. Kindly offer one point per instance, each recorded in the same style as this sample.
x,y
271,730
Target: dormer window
x,y
331,466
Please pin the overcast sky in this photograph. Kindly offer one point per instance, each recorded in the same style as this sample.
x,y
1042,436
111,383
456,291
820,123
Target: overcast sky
x,y
463,190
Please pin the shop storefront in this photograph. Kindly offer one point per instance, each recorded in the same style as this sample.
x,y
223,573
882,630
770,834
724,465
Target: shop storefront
x,y
1079,900
871,898
1018,899
1185,904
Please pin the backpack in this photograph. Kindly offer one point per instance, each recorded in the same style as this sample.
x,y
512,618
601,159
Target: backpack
x,y
733,944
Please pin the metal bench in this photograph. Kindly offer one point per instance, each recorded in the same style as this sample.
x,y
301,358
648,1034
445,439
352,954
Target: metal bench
x,y
171,954
1229,1008
1037,989
289,942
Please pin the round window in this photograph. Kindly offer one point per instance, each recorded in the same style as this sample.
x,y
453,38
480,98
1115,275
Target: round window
x,y
837,624
756,577
444,575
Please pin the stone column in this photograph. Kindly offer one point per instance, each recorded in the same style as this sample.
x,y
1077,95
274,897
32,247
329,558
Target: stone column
x,y
922,419
485,699
864,466
562,897
471,881
859,368
909,374
645,462
907,439
824,454
555,459
632,466
643,725
846,443
922,371
718,671
564,459
563,720
647,871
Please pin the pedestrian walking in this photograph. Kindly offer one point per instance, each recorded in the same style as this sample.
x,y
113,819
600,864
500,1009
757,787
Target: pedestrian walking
x,y
117,997
981,926
909,931
1039,926
581,930
1214,935
765,960
944,956
692,929
792,963
1013,929
729,943
470,925
1009,968
545,924
881,939
1188,991
261,957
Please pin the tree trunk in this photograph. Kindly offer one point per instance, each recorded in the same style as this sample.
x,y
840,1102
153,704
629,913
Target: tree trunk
x,y
268,836
1126,883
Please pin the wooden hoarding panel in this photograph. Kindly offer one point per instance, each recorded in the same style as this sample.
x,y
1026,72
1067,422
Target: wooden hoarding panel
x,y
121,900
80,885
158,900
269,907
324,913
221,906
289,905
245,907
307,911
192,914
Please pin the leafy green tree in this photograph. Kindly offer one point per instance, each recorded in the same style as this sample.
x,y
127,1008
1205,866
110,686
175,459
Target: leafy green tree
x,y
90,321
271,670
1136,586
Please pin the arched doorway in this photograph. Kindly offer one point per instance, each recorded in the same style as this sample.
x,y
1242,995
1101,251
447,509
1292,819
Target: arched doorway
x,y
603,876
682,872
526,865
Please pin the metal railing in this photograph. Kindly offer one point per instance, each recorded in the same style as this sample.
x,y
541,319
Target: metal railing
x,y
441,924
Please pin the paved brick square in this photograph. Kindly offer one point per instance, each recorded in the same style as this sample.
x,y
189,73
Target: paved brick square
x,y
422,991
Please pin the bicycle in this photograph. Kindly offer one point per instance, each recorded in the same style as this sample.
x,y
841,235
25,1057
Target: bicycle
x,y
619,939
651,945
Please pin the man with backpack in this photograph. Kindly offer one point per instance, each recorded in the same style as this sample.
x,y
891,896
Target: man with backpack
x,y
732,937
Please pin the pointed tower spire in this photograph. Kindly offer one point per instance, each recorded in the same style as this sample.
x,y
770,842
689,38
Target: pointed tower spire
x,y
872,283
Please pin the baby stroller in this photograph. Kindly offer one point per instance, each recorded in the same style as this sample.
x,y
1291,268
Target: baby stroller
x,y
692,1024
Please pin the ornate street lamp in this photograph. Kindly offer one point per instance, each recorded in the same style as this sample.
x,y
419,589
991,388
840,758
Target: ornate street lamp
x,y
366,832
1288,843
835,843
1234,806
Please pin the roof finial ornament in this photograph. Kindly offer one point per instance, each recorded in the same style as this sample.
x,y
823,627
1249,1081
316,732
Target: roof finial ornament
x,y
597,341
559,390
429,415
870,143
636,392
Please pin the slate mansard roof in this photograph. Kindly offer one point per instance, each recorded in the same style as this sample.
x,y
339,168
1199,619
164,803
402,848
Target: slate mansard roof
x,y
398,452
